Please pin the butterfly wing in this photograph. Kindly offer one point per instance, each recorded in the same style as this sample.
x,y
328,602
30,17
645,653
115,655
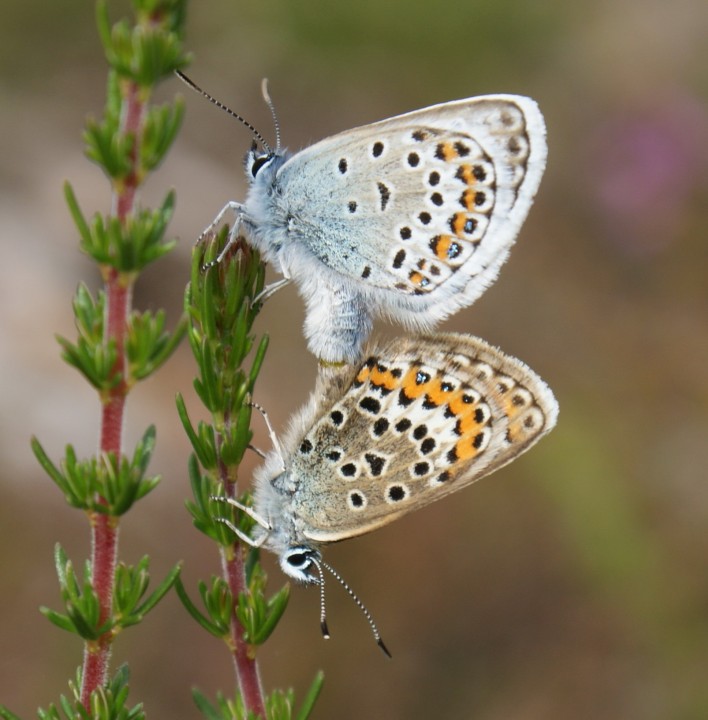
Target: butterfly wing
x,y
421,418
424,205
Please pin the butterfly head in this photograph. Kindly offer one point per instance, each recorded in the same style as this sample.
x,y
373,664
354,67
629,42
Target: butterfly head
x,y
258,159
301,562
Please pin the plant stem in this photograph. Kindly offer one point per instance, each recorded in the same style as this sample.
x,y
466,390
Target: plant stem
x,y
243,654
245,663
118,288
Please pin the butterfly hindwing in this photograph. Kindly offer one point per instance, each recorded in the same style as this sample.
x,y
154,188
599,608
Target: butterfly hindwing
x,y
420,418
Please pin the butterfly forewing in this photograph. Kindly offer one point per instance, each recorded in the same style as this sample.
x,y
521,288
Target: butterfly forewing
x,y
420,418
425,199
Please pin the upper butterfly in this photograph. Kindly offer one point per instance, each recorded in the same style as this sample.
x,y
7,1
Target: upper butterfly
x,y
409,218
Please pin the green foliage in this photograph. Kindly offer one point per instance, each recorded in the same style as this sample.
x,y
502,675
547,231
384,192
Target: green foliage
x,y
149,50
106,703
126,245
102,484
222,304
128,142
279,704
81,603
258,615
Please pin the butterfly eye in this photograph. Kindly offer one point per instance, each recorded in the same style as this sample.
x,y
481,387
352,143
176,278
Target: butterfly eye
x,y
298,560
259,162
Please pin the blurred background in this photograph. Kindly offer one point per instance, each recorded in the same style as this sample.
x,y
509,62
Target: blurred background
x,y
573,583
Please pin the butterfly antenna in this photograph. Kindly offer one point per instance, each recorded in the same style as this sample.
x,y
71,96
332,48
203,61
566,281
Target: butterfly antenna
x,y
355,598
271,433
323,611
269,103
225,108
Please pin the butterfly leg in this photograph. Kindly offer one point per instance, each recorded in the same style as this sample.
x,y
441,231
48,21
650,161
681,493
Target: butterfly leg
x,y
270,290
238,212
271,433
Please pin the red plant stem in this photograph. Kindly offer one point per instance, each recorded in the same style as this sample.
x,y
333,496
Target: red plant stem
x,y
104,528
244,658
249,679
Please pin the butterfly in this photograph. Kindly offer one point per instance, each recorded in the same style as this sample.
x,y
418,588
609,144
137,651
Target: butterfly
x,y
409,218
418,419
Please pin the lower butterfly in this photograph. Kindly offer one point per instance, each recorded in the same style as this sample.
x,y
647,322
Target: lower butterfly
x,y
419,419
409,218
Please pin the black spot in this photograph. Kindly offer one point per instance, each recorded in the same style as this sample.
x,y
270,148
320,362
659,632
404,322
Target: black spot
x,y
420,432
470,226
380,426
402,425
356,499
421,468
467,399
461,149
419,135
405,233
434,177
425,217
452,456
305,446
427,446
479,416
478,440
440,151
443,477
514,146
398,260
429,403
502,387
352,206
403,399
348,470
529,422
396,493
333,455
342,166
437,199
421,378
385,195
458,428
376,463
370,404
396,372
434,270
337,417
479,173
449,413
413,159
421,264
517,400
480,198
446,386
377,149
366,273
